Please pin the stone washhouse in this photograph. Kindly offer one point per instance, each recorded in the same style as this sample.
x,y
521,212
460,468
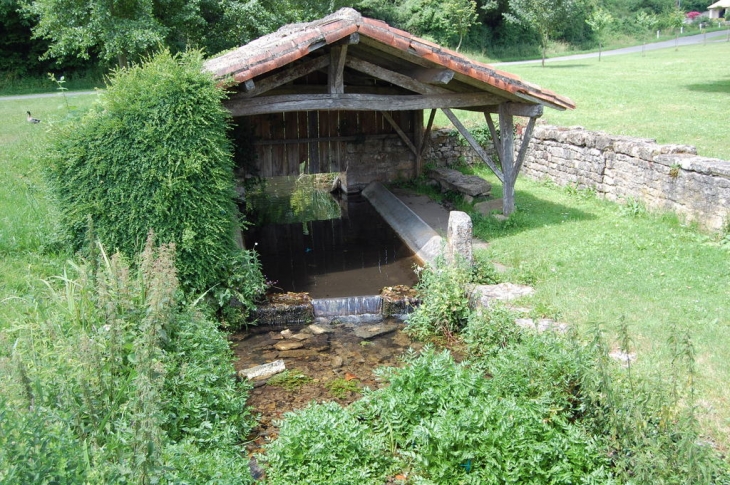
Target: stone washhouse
x,y
349,94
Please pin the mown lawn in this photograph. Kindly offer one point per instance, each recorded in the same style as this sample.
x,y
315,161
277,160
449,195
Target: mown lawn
x,y
674,96
592,261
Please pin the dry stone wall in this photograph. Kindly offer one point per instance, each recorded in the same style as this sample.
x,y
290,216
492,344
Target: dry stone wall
x,y
619,168
663,177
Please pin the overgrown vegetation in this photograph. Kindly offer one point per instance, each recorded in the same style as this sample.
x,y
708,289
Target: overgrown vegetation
x,y
153,154
116,381
525,407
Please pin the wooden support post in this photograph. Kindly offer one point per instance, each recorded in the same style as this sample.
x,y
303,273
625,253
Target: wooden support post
x,y
335,77
506,142
313,132
425,139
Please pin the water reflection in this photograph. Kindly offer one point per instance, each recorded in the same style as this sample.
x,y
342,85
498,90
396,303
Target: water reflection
x,y
304,248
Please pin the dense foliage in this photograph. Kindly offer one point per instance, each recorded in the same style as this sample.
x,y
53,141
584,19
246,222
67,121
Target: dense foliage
x,y
71,29
122,32
114,381
524,407
153,154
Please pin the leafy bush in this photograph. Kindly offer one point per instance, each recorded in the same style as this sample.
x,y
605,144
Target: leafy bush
x,y
483,271
38,447
490,330
326,444
453,426
444,308
132,386
153,154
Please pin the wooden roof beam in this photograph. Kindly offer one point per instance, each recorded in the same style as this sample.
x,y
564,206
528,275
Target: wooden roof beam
x,y
393,77
520,109
283,77
431,76
354,102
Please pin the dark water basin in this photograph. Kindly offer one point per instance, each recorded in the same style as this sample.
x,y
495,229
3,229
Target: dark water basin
x,y
355,254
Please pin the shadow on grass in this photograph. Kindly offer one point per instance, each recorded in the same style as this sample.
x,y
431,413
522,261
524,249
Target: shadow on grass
x,y
532,213
711,87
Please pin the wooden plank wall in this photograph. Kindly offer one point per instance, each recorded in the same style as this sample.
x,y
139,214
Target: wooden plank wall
x,y
285,140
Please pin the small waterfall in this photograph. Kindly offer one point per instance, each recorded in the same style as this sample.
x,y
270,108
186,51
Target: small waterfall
x,y
346,306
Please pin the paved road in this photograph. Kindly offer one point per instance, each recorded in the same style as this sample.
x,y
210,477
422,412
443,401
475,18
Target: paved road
x,y
719,36
46,95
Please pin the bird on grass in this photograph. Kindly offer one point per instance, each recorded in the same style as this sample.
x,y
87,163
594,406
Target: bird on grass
x,y
31,119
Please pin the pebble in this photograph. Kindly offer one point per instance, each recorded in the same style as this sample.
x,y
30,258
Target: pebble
x,y
288,345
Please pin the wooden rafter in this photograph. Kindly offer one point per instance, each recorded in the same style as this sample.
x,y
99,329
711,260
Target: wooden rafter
x,y
279,79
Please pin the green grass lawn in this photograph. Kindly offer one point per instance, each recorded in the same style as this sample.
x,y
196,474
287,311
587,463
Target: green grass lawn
x,y
592,261
28,250
680,96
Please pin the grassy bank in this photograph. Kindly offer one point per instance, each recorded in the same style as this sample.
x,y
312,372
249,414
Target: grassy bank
x,y
592,261
673,96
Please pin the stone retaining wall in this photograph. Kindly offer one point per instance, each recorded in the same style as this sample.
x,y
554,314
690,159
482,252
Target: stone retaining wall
x,y
619,168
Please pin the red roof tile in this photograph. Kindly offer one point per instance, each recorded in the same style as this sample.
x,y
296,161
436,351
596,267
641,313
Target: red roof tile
x,y
294,41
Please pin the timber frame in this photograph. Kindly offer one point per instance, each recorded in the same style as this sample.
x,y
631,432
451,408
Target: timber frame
x,y
349,63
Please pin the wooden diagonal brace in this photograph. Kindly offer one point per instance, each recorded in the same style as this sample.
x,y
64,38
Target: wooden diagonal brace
x,y
400,132
526,137
473,143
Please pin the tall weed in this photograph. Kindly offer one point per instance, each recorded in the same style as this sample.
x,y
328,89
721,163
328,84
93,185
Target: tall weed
x,y
125,376
444,308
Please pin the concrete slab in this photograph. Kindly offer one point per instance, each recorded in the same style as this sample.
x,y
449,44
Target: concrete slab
x,y
425,242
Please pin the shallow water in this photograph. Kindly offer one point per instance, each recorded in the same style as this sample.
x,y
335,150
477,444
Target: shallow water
x,y
325,358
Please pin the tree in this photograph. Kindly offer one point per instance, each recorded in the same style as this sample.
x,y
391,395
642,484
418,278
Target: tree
x,y
674,19
117,30
599,22
544,16
647,22
458,17
123,31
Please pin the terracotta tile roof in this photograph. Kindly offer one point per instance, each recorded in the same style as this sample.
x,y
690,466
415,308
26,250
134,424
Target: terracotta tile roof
x,y
294,41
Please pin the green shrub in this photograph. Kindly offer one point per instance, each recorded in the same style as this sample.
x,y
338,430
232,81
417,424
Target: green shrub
x,y
38,447
203,403
453,426
490,330
125,378
153,154
325,444
444,308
